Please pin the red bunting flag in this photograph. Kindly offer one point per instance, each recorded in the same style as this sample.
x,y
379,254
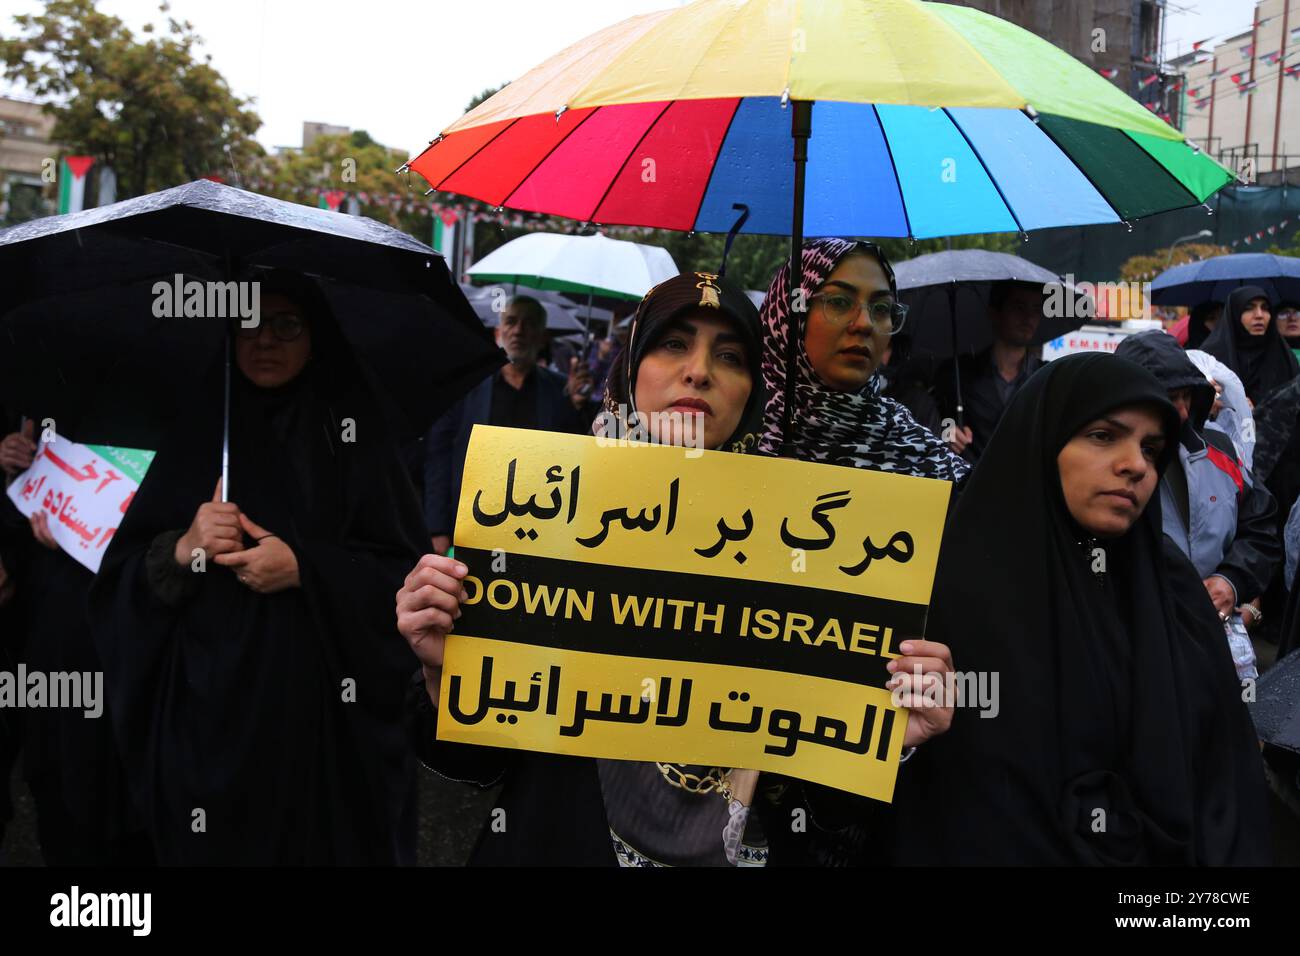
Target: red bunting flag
x,y
1248,50
1193,91
1109,73
1200,43
1236,78
1150,79
1272,58
1246,240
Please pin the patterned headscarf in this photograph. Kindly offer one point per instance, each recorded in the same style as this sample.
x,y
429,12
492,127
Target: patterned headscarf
x,y
862,429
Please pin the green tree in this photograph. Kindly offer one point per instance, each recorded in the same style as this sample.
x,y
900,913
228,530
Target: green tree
x,y
486,95
1145,267
146,107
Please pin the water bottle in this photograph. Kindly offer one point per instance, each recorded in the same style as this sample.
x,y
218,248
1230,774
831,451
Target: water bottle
x,y
1243,652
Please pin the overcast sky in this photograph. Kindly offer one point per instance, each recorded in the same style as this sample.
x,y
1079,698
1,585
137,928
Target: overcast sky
x,y
403,71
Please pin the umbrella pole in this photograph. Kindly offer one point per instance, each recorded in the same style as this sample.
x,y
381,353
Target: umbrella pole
x,y
800,131
225,416
586,335
956,365
225,423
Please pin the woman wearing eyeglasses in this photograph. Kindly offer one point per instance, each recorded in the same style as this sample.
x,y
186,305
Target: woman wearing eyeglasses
x,y
254,673
841,417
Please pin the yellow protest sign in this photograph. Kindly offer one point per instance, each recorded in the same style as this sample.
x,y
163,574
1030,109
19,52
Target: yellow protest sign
x,y
650,602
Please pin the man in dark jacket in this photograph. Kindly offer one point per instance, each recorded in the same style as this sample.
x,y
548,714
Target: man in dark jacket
x,y
990,379
521,394
1223,520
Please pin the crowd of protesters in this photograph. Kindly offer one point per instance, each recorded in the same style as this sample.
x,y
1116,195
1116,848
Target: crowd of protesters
x,y
226,738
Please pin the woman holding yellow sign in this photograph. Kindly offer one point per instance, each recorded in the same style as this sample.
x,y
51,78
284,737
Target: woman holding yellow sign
x,y
689,376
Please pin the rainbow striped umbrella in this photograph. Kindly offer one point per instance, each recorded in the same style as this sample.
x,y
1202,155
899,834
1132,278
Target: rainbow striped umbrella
x,y
926,119
903,118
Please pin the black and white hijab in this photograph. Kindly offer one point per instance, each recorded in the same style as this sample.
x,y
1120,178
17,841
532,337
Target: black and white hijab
x,y
862,429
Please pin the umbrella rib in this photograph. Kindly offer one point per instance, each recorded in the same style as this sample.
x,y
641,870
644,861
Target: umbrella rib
x,y
1086,175
626,159
537,165
713,165
893,167
987,172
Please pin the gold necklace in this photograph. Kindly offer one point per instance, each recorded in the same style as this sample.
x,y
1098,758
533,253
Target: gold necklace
x,y
717,780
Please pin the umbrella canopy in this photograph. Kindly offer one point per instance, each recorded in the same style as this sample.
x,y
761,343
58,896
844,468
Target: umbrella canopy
x,y
914,119
1276,710
582,265
948,295
84,343
1212,280
927,119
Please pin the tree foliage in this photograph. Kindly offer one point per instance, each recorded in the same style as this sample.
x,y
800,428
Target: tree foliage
x,y
1144,267
148,107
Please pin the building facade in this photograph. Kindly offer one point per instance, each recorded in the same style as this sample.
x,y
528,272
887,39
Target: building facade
x,y
27,160
1240,99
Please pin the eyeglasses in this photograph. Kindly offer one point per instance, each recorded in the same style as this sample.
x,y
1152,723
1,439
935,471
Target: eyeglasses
x,y
285,326
885,314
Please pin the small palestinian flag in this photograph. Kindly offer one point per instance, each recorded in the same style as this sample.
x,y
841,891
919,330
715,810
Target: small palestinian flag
x,y
1248,51
1109,72
1150,79
72,183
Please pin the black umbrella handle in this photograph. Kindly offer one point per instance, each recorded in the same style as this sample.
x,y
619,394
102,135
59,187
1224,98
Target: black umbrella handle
x,y
800,132
956,365
731,236
225,424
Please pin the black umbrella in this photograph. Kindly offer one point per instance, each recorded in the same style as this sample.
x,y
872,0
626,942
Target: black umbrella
x,y
948,293
1276,709
82,341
